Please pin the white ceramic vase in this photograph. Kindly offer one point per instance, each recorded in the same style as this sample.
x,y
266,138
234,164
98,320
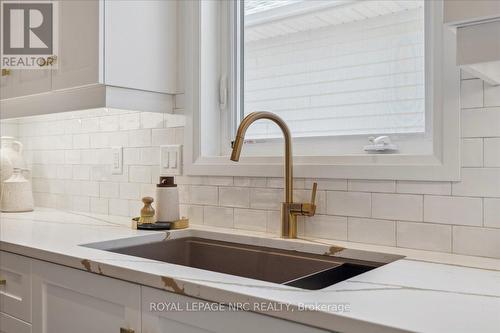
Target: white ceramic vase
x,y
13,150
17,195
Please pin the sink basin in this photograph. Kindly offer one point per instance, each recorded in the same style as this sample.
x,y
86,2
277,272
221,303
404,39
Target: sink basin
x,y
298,269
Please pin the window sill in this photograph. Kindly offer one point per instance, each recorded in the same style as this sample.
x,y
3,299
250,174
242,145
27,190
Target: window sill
x,y
374,166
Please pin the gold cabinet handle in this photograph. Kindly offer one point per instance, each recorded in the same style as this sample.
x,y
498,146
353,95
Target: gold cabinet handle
x,y
3,282
126,330
6,72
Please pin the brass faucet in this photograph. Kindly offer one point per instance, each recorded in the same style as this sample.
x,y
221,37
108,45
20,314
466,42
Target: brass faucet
x,y
289,209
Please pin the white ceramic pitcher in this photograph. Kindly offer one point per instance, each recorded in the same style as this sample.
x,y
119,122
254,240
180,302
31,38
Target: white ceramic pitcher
x,y
13,150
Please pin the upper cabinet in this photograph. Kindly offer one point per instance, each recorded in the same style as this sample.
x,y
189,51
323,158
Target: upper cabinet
x,y
111,53
457,12
477,24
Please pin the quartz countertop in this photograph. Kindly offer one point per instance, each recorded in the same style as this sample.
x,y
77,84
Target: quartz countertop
x,y
423,292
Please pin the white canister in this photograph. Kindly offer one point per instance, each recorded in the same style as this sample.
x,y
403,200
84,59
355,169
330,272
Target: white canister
x,y
167,200
17,195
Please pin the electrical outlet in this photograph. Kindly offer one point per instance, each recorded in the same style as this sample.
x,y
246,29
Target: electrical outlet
x,y
171,159
117,160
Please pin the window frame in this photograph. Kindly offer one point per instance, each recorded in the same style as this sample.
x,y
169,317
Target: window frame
x,y
206,150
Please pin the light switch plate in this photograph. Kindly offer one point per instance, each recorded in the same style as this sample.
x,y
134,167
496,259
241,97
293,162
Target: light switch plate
x,y
171,160
117,160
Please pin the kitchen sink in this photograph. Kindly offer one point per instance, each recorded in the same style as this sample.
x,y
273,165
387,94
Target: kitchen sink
x,y
293,268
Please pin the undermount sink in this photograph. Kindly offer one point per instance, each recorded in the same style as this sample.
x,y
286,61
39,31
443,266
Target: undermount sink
x,y
298,269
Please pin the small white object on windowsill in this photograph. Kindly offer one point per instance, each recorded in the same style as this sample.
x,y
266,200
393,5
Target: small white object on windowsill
x,y
381,144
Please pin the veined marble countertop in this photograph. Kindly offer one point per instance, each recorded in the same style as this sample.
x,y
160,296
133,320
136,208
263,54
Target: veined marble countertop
x,y
424,292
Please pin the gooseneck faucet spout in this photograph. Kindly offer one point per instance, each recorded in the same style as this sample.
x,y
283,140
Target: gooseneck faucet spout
x,y
289,209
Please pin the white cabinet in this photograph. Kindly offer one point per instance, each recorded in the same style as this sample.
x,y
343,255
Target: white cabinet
x,y
112,53
25,82
69,300
15,287
457,12
150,61
477,24
78,56
191,321
9,324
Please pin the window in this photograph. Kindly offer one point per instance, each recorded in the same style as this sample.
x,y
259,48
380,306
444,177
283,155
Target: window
x,y
338,72
332,68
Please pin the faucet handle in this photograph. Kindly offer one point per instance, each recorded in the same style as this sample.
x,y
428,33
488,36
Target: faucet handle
x,y
313,193
309,209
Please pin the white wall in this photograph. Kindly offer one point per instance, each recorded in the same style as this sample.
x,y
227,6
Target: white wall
x,y
70,157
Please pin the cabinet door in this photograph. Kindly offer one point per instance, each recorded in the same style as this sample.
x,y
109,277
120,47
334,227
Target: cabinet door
x,y
70,300
10,324
23,82
157,319
78,55
141,44
15,290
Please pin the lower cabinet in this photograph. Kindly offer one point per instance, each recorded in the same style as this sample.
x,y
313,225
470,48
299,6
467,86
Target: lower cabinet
x,y
9,324
67,300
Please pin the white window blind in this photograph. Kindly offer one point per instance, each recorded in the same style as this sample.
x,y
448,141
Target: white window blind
x,y
332,68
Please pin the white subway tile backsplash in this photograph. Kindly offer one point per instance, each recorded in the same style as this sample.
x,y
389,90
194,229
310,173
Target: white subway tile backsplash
x,y
471,92
266,198
81,172
250,181
234,197
118,207
327,184
478,182
363,230
481,123
421,187
152,120
472,152
492,212
425,236
130,121
220,181
397,206
348,203
326,226
164,136
80,203
250,219
492,152
218,216
491,95
193,212
476,241
453,210
72,157
89,188
99,205
203,195
139,138
109,190
274,222
274,182
372,186
139,174
130,191
81,141
109,124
